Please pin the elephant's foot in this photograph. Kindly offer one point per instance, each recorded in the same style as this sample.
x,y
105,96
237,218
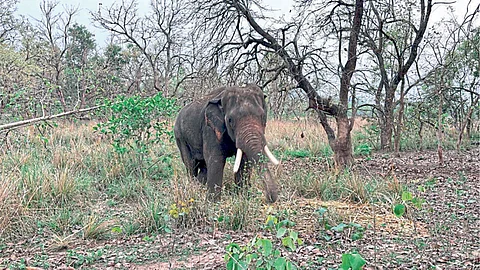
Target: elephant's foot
x,y
271,196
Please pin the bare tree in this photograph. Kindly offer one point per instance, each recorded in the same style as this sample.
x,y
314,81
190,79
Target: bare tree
x,y
394,39
8,23
449,80
157,35
53,27
236,26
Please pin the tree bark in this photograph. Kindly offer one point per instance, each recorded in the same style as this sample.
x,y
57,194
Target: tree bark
x,y
439,120
466,122
343,144
399,126
386,128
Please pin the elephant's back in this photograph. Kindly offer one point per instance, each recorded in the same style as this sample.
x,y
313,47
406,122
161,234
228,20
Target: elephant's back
x,y
188,124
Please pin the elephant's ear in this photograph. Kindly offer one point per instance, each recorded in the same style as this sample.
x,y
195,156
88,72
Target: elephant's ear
x,y
215,117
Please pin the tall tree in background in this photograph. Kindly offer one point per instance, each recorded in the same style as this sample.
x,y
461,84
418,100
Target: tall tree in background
x,y
8,22
78,71
468,77
157,35
53,27
392,34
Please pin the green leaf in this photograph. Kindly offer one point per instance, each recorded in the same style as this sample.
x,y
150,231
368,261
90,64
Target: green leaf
x,y
327,237
322,210
287,242
233,247
294,236
259,263
357,262
407,196
352,261
340,227
116,229
230,263
399,210
291,266
418,202
267,247
280,263
300,241
242,265
345,262
281,232
357,236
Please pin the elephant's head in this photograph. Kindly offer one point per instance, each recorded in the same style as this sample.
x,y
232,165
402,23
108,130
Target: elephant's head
x,y
241,112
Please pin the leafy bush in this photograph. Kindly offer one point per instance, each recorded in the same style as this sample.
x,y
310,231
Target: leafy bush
x,y
408,199
363,149
368,136
262,252
355,229
135,123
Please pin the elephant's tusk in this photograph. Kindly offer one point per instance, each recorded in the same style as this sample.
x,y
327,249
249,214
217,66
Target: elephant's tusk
x,y
238,159
271,156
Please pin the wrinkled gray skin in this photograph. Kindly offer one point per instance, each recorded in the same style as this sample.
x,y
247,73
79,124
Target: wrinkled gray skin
x,y
209,130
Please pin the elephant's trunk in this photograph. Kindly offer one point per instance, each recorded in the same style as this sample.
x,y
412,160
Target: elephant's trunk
x,y
250,141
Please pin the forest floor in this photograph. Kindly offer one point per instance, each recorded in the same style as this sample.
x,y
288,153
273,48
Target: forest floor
x,y
443,234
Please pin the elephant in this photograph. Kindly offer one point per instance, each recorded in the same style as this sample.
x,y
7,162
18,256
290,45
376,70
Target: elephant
x,y
228,121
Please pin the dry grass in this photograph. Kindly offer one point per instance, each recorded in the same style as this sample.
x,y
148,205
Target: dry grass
x,y
302,134
96,227
70,176
65,186
306,133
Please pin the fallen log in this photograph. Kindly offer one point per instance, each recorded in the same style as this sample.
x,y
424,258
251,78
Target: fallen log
x,y
27,122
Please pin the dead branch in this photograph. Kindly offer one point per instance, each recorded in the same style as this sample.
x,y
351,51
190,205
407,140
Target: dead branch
x,y
10,126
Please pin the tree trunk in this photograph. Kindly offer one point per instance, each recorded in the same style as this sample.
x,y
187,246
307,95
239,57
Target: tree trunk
x,y
466,123
439,124
420,136
387,127
399,127
343,144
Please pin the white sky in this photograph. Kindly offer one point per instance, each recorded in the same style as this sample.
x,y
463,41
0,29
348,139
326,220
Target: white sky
x,y
31,8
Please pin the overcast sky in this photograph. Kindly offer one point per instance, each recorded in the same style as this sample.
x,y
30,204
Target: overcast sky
x,y
30,8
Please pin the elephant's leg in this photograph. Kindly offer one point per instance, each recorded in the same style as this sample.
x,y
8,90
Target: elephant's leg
x,y
187,158
215,165
201,173
242,177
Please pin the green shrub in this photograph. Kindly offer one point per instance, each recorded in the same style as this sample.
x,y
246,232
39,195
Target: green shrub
x,y
297,153
263,253
363,149
136,123
369,136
